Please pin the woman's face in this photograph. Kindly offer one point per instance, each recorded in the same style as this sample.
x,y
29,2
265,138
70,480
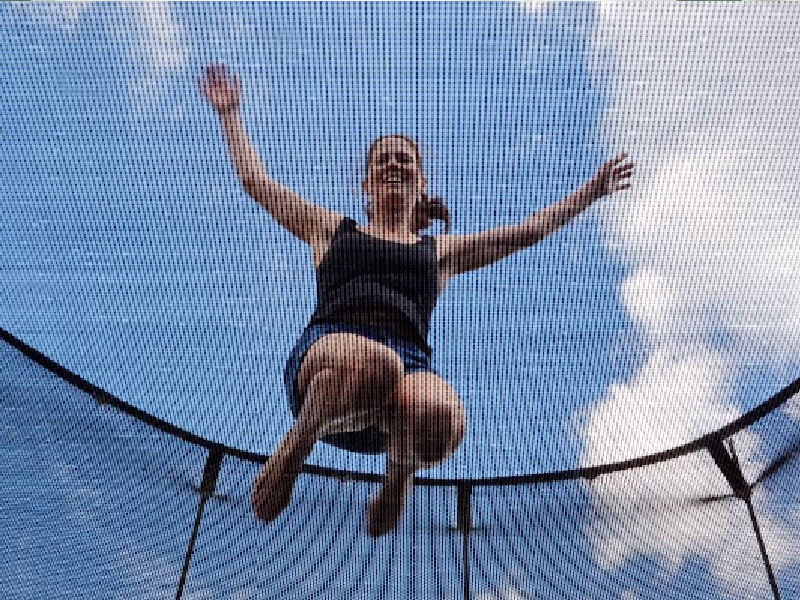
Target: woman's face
x,y
394,179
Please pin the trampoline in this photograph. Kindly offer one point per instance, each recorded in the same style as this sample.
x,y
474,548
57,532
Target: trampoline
x,y
630,381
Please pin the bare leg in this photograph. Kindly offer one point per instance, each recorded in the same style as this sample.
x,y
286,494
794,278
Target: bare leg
x,y
272,490
386,508
425,429
328,408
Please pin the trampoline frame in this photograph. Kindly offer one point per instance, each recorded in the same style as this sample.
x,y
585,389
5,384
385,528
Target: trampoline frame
x,y
713,443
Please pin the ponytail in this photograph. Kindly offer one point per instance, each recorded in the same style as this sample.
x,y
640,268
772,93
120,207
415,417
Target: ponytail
x,y
428,208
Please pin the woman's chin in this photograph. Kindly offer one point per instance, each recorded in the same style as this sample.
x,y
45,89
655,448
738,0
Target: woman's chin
x,y
395,200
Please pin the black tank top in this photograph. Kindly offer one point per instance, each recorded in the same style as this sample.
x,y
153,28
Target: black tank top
x,y
390,285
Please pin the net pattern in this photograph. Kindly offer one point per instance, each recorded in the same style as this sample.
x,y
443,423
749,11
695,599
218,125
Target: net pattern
x,y
101,501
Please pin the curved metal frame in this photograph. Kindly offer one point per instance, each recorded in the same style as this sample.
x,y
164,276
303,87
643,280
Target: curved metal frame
x,y
711,442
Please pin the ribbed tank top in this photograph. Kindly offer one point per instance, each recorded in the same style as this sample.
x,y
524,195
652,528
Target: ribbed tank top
x,y
390,285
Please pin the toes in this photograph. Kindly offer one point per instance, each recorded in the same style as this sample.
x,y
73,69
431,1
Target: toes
x,y
386,508
272,492
383,516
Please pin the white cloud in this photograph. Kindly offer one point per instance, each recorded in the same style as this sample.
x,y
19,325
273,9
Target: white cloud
x,y
155,41
159,47
65,15
710,237
674,398
534,5
160,36
702,98
651,511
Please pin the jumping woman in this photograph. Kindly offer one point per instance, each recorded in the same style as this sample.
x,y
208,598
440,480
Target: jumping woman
x,y
360,375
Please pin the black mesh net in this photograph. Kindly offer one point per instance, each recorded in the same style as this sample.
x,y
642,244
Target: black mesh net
x,y
98,503
627,359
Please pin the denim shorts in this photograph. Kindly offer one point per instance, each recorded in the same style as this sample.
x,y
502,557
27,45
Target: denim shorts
x,y
369,440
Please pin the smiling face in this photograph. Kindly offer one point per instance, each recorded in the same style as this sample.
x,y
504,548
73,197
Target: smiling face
x,y
394,176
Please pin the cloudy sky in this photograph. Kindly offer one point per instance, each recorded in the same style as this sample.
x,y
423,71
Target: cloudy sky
x,y
134,258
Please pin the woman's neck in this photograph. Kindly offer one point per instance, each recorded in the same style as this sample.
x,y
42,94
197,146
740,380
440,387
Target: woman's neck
x,y
394,225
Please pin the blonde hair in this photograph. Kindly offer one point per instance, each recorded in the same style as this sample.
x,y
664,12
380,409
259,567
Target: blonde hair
x,y
427,207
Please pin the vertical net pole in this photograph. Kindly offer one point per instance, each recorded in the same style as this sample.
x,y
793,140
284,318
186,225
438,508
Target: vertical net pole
x,y
763,548
728,464
207,487
464,527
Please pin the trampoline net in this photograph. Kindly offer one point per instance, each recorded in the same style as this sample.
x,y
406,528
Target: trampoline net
x,y
630,383
99,504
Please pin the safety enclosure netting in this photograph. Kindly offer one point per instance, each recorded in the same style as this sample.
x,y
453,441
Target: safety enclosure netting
x,y
628,370
103,501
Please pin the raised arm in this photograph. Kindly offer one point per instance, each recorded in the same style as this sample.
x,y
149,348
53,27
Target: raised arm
x,y
308,221
462,253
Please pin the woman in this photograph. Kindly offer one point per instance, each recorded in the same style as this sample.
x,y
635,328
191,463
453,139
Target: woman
x,y
360,375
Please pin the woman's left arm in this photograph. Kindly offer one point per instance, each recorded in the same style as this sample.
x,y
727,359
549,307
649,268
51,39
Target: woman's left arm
x,y
462,253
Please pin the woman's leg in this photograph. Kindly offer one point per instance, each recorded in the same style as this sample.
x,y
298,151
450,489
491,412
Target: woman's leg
x,y
425,429
272,490
348,383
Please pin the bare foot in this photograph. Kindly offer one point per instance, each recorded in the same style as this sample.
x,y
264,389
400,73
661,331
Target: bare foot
x,y
272,490
386,508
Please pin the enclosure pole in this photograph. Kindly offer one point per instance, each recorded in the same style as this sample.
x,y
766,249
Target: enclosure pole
x,y
207,487
728,464
763,548
465,526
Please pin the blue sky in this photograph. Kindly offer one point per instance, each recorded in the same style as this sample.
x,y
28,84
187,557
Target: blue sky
x,y
136,260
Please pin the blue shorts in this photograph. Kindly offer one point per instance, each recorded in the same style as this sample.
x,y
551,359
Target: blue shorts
x,y
366,441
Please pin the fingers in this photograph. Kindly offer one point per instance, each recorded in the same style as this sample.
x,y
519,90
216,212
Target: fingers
x,y
624,170
618,159
612,174
221,87
217,74
620,171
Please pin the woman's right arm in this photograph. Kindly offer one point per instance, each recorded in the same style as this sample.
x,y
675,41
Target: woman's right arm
x,y
310,222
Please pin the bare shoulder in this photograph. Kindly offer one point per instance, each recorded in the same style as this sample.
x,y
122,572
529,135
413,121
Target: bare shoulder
x,y
322,241
442,247
448,246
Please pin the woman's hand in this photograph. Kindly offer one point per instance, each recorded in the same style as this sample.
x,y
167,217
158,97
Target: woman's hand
x,y
609,177
221,88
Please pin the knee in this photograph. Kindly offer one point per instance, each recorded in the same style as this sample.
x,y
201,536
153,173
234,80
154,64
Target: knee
x,y
445,425
432,433
361,385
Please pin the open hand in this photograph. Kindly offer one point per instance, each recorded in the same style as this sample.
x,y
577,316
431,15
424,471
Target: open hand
x,y
611,176
221,88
